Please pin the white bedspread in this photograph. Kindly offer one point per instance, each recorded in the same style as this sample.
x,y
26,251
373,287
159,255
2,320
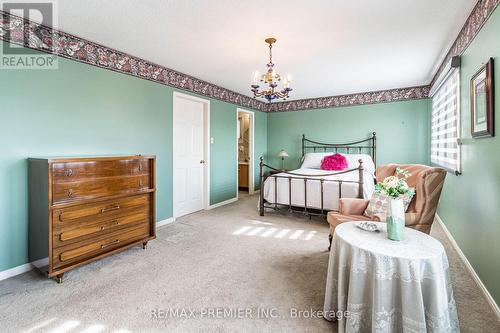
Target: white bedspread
x,y
330,189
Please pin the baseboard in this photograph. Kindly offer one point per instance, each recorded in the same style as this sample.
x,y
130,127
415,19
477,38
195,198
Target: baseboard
x,y
15,271
165,222
41,263
223,203
469,267
255,191
45,261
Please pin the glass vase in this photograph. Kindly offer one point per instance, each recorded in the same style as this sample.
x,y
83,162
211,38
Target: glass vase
x,y
395,219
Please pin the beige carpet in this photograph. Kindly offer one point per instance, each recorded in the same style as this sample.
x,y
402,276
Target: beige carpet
x,y
226,259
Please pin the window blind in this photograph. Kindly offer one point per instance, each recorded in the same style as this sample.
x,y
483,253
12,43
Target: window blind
x,y
445,124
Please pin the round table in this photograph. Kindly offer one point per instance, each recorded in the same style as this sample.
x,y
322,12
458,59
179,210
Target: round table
x,y
378,285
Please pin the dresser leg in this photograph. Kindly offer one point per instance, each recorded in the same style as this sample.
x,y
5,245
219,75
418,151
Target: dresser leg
x,y
145,245
59,278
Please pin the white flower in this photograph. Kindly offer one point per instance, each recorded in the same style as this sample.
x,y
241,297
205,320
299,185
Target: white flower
x,y
391,181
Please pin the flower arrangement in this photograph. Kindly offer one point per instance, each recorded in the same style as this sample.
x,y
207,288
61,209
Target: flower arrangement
x,y
396,186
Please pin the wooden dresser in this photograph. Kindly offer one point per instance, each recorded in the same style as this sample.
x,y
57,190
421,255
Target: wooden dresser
x,y
83,209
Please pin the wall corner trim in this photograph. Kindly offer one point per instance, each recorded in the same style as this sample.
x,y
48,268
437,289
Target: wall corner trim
x,y
467,264
8,273
222,203
162,223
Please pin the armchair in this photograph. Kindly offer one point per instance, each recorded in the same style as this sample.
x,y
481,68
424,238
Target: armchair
x,y
428,183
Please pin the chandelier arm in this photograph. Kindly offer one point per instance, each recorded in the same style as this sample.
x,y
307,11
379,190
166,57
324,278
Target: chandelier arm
x,y
259,94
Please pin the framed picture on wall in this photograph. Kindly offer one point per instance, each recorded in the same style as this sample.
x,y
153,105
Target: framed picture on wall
x,y
482,101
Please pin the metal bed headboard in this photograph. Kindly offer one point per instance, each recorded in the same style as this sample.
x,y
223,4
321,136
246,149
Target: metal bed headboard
x,y
360,147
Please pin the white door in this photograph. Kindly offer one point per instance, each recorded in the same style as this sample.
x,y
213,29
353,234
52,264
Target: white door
x,y
188,151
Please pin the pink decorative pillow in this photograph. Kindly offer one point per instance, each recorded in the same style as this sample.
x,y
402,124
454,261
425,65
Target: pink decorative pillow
x,y
334,162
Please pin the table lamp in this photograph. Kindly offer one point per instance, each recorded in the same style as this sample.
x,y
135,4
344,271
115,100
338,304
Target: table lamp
x,y
283,154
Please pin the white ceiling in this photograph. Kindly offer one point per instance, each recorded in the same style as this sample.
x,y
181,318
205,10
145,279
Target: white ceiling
x,y
329,47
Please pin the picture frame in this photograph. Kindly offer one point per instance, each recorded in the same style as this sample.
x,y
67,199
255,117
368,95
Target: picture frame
x,y
482,102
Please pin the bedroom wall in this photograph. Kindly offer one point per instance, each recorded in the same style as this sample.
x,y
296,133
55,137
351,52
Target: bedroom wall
x,y
469,202
402,130
80,109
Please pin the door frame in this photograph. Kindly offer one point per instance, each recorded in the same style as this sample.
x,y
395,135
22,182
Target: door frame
x,y
206,148
251,148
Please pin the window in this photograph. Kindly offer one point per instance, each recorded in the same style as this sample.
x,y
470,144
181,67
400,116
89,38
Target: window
x,y
445,123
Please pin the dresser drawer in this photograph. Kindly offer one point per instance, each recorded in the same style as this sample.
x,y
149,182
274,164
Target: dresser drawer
x,y
65,234
98,211
74,253
71,171
93,188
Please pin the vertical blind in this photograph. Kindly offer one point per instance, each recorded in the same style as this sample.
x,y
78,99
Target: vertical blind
x,y
445,124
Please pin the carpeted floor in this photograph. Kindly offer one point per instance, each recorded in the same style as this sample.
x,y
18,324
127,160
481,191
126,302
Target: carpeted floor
x,y
260,270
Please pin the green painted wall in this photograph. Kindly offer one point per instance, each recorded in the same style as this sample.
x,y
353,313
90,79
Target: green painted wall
x,y
469,203
79,110
260,143
223,165
402,130
223,172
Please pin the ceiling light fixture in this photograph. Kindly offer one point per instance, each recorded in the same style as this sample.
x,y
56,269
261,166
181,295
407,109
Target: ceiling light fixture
x,y
271,78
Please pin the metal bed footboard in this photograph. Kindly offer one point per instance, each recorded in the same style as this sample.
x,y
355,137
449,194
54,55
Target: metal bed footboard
x,y
265,173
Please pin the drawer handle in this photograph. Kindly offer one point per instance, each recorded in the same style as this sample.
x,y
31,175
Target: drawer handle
x,y
70,193
141,184
140,166
69,173
112,224
115,207
103,246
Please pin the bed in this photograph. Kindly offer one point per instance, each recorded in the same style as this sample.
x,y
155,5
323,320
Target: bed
x,y
312,191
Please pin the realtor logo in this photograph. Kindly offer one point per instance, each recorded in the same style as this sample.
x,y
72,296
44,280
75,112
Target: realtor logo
x,y
17,54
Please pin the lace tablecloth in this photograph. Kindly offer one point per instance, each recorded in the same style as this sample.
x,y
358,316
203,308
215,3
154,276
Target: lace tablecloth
x,y
378,285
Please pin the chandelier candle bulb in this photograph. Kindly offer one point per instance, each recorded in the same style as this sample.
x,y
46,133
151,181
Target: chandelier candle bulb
x,y
256,77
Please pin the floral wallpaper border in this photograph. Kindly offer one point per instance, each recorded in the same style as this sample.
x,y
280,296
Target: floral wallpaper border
x,y
476,20
14,29
383,96
35,36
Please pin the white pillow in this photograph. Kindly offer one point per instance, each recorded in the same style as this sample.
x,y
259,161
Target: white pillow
x,y
313,160
353,162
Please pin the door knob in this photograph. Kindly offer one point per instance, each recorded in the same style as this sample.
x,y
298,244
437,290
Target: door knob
x,y
202,161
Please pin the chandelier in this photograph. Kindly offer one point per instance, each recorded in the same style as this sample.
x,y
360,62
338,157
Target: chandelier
x,y
271,79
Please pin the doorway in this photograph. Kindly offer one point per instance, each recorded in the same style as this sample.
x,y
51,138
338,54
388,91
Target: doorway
x,y
245,151
191,124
